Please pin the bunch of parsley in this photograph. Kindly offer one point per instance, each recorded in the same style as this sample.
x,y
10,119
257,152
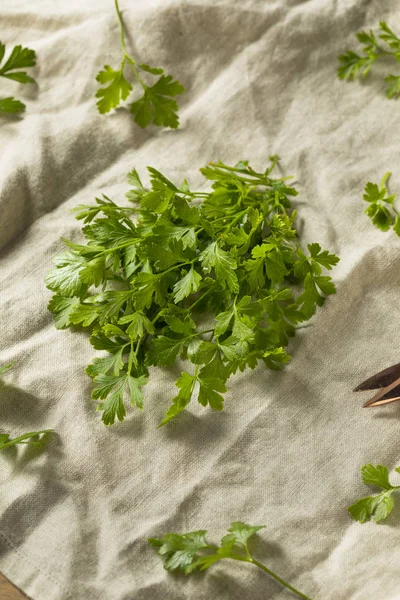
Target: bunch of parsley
x,y
353,64
217,278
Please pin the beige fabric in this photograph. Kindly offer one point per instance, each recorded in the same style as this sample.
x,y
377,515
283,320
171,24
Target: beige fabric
x,y
287,449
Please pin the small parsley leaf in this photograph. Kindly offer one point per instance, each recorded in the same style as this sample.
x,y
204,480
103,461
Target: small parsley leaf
x,y
379,506
380,207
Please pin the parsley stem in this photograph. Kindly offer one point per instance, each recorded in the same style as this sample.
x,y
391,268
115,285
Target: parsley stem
x,y
127,57
279,579
190,262
199,299
122,30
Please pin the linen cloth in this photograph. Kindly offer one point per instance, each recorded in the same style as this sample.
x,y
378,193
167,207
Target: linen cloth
x,y
286,451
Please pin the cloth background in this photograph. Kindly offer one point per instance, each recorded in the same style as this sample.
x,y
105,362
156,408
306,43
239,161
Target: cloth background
x,y
286,451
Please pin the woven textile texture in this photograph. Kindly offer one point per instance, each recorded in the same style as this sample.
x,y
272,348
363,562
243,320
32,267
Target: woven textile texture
x,y
286,451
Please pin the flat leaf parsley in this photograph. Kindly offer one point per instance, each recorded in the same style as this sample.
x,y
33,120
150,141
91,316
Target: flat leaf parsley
x,y
217,278
157,104
190,551
381,209
378,506
353,64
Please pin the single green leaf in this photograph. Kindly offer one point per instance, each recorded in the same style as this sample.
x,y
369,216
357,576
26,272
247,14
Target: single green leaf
x,y
224,265
117,90
180,551
208,392
378,475
189,284
10,105
110,390
165,350
240,533
158,104
185,384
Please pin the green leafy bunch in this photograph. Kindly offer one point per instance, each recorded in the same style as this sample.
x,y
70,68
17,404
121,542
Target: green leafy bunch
x,y
34,438
378,506
190,551
380,206
157,104
210,277
19,58
353,64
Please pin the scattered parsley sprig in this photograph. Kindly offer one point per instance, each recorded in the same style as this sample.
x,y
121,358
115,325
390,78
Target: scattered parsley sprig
x,y
353,64
19,58
157,104
210,277
379,506
34,438
381,210
191,551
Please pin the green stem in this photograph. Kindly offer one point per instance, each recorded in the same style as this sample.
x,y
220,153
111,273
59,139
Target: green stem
x,y
122,30
127,57
279,579
236,219
199,299
116,247
190,262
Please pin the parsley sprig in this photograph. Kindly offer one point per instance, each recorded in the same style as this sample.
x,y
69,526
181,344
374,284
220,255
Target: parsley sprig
x,y
19,58
157,104
34,438
190,551
214,277
378,506
353,64
381,209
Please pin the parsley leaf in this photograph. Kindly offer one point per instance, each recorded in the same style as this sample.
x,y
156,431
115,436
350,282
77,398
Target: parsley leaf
x,y
19,58
157,103
171,277
381,208
118,89
110,389
379,506
353,64
190,551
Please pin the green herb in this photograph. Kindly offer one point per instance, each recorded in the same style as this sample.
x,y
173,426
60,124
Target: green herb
x,y
353,64
379,506
19,58
380,206
210,277
35,438
191,551
157,104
